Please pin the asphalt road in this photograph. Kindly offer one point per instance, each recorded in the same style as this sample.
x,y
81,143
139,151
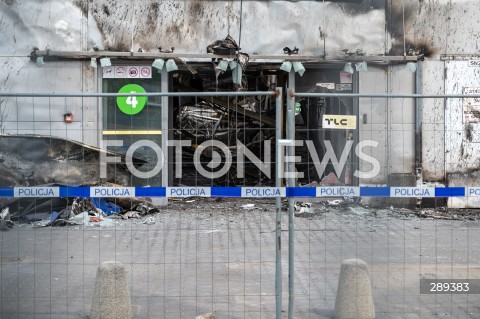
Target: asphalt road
x,y
208,256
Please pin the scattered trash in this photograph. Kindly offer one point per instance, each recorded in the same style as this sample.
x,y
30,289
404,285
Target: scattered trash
x,y
303,208
146,208
334,202
52,220
5,212
34,209
5,222
41,223
54,216
248,206
81,205
42,212
131,214
359,210
107,207
106,222
80,219
148,221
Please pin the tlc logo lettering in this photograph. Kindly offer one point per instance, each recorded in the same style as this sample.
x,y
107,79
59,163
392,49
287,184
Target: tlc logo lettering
x,y
339,121
343,122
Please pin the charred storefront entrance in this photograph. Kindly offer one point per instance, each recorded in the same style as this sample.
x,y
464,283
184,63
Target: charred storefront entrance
x,y
326,129
328,125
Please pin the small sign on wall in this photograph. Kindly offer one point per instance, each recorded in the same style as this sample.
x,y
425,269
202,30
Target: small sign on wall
x,y
474,63
471,106
329,86
339,121
345,77
343,87
127,72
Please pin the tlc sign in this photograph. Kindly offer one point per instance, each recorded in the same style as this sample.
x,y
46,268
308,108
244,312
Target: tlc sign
x,y
348,122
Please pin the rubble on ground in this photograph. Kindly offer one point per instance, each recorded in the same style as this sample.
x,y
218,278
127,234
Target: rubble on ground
x,y
442,213
346,206
110,212
75,211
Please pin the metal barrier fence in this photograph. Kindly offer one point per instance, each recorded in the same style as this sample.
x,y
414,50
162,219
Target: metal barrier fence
x,y
232,264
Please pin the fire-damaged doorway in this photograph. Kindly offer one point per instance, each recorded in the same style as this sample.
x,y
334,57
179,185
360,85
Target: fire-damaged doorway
x,y
328,126
239,122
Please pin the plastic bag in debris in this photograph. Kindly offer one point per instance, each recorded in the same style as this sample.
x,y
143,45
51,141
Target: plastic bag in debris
x,y
80,219
97,220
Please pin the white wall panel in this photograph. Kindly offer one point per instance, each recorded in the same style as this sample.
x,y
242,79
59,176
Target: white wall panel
x,y
375,110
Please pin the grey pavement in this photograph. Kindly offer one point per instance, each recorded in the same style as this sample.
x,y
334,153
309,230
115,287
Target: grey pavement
x,y
209,256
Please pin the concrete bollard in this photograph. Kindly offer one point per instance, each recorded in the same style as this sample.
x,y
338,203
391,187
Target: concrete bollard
x,y
354,295
111,299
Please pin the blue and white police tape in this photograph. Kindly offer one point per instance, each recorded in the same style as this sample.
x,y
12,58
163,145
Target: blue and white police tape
x,y
245,192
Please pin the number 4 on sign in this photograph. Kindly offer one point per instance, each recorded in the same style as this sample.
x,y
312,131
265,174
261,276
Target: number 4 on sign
x,y
132,100
131,104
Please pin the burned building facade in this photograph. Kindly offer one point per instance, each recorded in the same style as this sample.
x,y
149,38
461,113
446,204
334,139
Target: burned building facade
x,y
379,47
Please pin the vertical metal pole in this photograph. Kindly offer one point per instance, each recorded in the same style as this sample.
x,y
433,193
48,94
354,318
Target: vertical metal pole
x,y
278,217
356,136
164,123
418,121
290,135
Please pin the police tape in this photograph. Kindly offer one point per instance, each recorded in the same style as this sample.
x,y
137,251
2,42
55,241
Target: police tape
x,y
243,192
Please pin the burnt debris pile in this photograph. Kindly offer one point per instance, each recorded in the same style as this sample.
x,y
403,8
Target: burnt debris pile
x,y
65,211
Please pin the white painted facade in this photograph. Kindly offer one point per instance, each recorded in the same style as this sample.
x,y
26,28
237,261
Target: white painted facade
x,y
440,27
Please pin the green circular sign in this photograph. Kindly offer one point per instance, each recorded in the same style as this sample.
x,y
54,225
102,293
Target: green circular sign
x,y
298,108
132,104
